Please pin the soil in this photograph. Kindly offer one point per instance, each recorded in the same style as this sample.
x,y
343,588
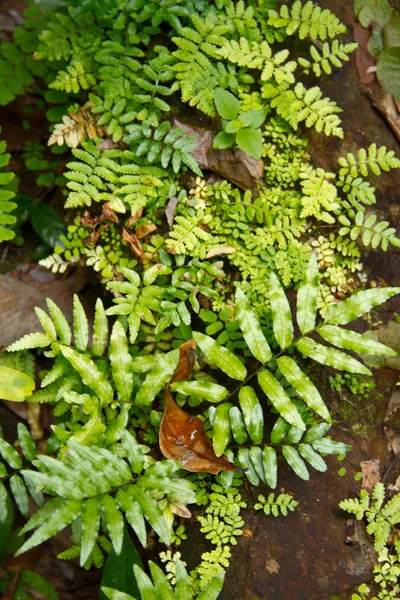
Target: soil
x,y
303,556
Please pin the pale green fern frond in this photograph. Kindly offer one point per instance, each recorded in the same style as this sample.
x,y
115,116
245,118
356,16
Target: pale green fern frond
x,y
334,54
259,56
373,159
319,197
73,79
187,233
307,20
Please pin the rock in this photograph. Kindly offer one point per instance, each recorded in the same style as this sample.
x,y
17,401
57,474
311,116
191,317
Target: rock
x,y
18,300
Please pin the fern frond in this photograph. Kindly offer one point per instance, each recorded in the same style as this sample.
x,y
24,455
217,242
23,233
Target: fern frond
x,y
307,20
332,55
372,159
280,505
373,233
73,79
317,111
187,233
259,56
319,195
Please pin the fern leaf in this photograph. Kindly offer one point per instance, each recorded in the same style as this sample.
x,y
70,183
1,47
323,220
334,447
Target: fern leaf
x,y
334,54
372,159
306,20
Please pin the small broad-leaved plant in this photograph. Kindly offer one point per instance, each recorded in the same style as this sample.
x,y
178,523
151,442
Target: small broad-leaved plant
x,y
242,128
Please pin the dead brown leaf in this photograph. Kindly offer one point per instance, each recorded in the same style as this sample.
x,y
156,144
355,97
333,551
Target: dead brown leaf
x,y
235,165
170,210
220,250
182,436
371,473
133,242
95,235
134,218
144,230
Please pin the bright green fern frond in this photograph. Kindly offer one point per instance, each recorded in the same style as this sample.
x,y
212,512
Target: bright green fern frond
x,y
319,195
307,20
187,233
259,56
331,55
317,111
373,159
276,506
73,79
373,233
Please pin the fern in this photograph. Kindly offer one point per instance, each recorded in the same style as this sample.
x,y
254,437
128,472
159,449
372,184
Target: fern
x,y
109,493
335,54
276,506
373,159
6,195
319,195
372,233
101,176
195,73
382,518
307,20
165,145
142,298
187,233
73,79
259,56
75,129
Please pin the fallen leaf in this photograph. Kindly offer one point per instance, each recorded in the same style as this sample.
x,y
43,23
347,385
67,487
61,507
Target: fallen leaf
x,y
95,235
220,250
170,210
235,165
364,60
133,241
182,436
180,510
371,474
134,218
144,230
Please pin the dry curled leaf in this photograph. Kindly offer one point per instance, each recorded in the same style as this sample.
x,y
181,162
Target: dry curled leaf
x,y
134,218
182,436
170,210
133,241
144,230
220,250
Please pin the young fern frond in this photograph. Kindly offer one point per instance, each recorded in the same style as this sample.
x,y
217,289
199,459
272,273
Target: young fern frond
x,y
276,506
372,159
382,517
308,20
321,62
163,144
317,111
195,73
319,195
374,234
259,56
73,79
187,233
